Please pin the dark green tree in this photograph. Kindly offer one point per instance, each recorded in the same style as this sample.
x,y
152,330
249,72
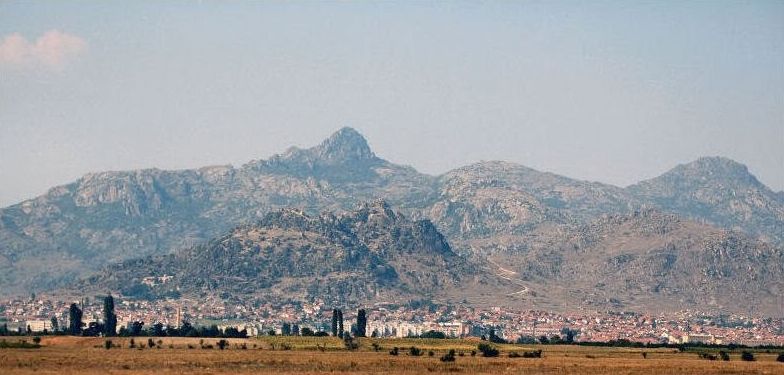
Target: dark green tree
x,y
361,323
286,329
109,317
186,329
334,322
136,328
55,325
157,329
340,323
75,320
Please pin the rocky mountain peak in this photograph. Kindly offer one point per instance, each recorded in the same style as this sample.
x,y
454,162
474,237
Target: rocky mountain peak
x,y
704,173
718,167
344,145
344,156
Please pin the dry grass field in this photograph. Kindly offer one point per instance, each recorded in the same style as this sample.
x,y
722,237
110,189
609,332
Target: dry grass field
x,y
305,355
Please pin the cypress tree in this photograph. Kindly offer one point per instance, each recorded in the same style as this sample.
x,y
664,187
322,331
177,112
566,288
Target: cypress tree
x,y
334,322
361,323
340,323
109,317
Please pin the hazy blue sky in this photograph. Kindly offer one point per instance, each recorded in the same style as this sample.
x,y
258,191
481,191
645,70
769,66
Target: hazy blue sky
x,y
608,91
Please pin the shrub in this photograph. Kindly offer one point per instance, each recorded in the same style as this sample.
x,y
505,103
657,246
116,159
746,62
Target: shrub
x,y
724,356
349,343
533,354
376,347
132,344
430,353
394,351
780,358
36,340
433,335
414,351
448,357
747,356
150,343
107,344
473,353
708,356
488,350
18,345
222,344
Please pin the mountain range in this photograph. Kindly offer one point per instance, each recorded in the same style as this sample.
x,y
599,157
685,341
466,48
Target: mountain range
x,y
705,234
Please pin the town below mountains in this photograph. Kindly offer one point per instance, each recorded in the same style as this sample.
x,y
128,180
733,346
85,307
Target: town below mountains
x,y
336,223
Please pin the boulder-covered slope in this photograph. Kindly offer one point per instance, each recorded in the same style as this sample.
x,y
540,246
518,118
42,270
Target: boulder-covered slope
x,y
369,254
649,261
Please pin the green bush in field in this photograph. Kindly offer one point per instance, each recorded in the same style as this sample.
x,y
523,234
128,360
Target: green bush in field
x,y
488,350
449,357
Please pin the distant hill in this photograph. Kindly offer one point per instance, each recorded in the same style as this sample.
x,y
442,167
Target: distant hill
x,y
646,261
487,210
719,191
369,254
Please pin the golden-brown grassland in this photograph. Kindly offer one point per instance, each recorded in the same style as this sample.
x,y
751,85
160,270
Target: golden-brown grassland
x,y
307,355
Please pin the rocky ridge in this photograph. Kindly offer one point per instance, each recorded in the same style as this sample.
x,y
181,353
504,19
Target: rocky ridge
x,y
493,210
